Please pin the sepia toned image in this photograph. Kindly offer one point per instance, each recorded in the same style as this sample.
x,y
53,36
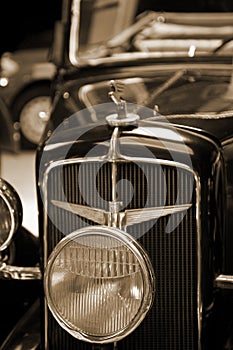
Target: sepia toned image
x,y
116,176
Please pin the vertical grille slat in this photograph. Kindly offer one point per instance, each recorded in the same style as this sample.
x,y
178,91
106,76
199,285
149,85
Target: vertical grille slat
x,y
171,324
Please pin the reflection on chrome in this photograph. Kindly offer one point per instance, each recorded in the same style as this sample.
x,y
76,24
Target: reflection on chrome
x,y
19,273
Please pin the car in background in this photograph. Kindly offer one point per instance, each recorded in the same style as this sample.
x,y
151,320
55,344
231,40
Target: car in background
x,y
134,182
25,78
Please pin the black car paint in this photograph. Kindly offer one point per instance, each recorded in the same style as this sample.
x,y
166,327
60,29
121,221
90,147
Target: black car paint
x,y
210,142
202,147
17,298
217,130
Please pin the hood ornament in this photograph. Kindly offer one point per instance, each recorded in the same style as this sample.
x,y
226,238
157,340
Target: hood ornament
x,y
122,117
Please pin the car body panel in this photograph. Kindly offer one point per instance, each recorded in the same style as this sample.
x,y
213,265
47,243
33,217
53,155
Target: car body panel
x,y
23,68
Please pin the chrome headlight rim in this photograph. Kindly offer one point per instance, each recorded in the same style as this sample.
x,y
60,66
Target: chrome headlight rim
x,y
13,203
148,284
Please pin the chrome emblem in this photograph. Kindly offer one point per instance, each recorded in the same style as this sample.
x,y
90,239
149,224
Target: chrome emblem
x,y
115,218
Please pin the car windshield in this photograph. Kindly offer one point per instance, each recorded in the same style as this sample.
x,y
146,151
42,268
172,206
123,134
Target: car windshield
x,y
171,90
158,33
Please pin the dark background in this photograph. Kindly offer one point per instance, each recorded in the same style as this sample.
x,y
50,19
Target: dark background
x,y
22,20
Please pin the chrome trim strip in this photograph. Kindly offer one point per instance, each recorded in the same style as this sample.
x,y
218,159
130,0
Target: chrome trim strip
x,y
157,161
10,272
199,257
224,281
128,57
228,141
74,32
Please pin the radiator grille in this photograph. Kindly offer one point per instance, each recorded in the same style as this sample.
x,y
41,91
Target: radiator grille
x,y
171,324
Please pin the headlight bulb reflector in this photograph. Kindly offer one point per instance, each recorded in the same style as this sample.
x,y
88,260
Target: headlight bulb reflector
x,y
99,284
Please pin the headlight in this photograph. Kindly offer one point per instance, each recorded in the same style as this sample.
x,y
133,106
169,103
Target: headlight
x,y
10,213
99,284
9,65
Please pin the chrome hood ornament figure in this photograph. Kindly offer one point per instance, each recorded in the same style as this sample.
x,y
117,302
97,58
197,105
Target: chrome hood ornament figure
x,y
122,117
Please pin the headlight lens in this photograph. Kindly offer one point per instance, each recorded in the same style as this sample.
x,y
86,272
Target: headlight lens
x,y
10,213
99,284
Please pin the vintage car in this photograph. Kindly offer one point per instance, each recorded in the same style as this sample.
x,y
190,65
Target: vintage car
x,y
135,193
25,78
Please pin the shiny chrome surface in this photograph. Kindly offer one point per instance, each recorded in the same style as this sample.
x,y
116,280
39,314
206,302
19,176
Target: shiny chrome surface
x,y
154,34
114,284
9,272
113,216
224,281
122,117
13,203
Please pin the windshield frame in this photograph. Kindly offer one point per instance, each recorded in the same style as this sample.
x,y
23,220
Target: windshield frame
x,y
107,52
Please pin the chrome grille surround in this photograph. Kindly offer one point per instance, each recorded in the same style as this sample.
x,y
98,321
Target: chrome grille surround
x,y
114,163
